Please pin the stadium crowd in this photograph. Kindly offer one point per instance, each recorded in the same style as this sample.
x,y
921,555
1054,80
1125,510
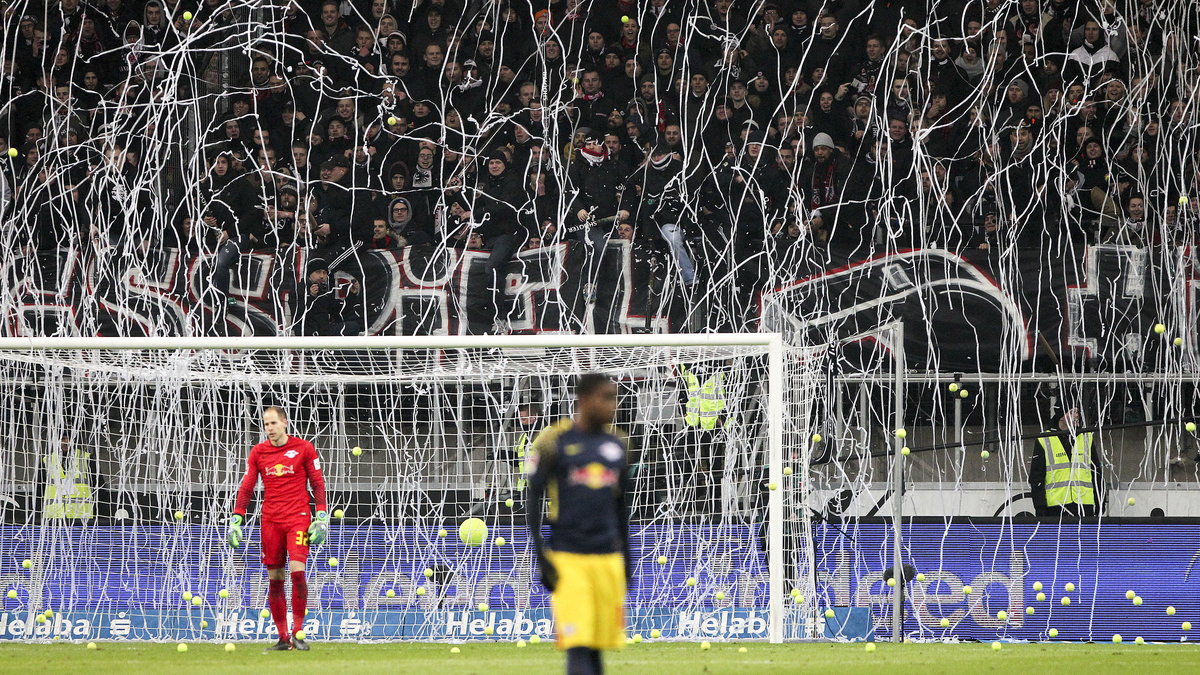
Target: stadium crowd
x,y
708,133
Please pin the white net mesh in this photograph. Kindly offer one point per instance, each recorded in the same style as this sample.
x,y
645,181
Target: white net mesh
x,y
120,468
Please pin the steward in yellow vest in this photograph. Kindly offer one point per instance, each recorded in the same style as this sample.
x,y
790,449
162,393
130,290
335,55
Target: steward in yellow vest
x,y
68,491
1064,474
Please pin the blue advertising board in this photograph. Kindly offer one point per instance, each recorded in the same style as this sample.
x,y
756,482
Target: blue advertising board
x,y
128,583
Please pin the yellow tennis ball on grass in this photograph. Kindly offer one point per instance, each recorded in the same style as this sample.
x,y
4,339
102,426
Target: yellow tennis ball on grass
x,y
301,634
535,639
181,648
473,532
455,650
869,647
996,646
656,633
1116,638
229,647
1139,640
637,637
520,643
93,646
705,645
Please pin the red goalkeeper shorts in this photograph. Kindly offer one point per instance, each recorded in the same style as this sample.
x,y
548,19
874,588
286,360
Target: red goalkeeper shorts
x,y
285,539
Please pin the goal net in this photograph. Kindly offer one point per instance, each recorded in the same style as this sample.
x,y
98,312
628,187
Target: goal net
x,y
119,468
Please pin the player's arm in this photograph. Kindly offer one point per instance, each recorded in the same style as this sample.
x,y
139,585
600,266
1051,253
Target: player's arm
x,y
245,491
541,472
320,524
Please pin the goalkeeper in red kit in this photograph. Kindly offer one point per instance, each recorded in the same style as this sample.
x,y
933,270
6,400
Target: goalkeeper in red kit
x,y
288,465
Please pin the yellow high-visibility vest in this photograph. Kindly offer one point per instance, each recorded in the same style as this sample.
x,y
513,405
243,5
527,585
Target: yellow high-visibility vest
x,y
522,450
67,493
1069,476
705,400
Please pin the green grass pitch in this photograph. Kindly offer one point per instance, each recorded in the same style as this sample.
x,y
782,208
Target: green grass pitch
x,y
659,658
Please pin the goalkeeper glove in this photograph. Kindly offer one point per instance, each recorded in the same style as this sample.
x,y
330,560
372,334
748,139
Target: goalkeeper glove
x,y
549,575
234,535
318,529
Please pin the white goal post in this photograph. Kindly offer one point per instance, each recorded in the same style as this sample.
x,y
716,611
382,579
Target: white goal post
x,y
40,369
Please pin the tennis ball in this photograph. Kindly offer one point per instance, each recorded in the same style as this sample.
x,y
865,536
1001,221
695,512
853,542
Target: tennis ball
x,y
1053,632
488,630
984,454
338,513
500,541
1041,597
223,593
1002,615
428,573
787,470
743,650
705,645
472,532
442,532
420,590
656,633
637,637
772,486
720,595
870,647
229,646
967,590
12,595
891,581
1187,625
798,598
1170,611
520,643
1069,587
1137,601
179,515
944,623
1065,601
48,612
41,618
662,560
356,451
187,16
1139,640
920,576
964,393
1131,501
266,613
181,648
1190,426
197,601
905,451
392,121
204,624
1030,611
27,563
953,387
816,438
1160,328
483,607
509,502
624,19
535,639
795,592
1178,342
1117,638
691,581
829,614
901,433
333,562
187,595
996,646
1037,585
92,646
391,593
455,650
1183,200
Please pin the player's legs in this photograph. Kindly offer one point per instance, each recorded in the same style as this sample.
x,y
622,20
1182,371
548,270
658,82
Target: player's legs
x,y
274,552
297,549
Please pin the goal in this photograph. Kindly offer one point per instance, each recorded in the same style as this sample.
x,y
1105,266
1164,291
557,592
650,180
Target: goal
x,y
121,456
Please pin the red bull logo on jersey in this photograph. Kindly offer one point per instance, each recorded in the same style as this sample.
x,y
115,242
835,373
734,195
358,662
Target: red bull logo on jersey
x,y
280,470
594,475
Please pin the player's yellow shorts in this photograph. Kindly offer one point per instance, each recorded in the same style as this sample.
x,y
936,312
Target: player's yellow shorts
x,y
589,602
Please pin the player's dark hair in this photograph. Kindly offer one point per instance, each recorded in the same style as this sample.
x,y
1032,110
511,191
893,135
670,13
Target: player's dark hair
x,y
277,410
588,383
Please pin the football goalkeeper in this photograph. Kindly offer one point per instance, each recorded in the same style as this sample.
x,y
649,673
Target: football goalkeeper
x,y
581,465
288,465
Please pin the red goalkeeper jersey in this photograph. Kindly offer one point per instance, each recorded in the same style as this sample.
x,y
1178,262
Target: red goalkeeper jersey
x,y
286,472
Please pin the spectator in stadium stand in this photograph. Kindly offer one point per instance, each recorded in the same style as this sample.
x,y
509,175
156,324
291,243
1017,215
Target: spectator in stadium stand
x,y
230,211
652,196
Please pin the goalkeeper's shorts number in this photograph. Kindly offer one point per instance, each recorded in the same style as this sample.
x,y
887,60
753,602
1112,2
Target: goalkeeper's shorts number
x,y
301,538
